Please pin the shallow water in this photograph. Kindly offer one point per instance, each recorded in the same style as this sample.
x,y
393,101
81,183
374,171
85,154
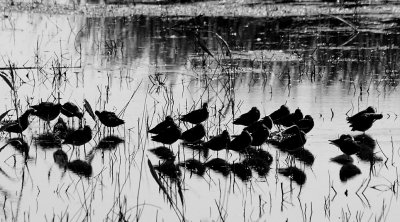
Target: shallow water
x,y
319,65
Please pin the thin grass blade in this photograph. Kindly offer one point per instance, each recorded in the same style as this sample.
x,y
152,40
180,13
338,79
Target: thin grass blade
x,y
89,109
4,114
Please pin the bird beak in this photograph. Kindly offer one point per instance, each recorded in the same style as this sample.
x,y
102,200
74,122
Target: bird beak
x,y
334,142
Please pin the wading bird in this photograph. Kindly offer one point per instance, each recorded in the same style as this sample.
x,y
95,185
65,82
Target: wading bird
x,y
306,124
248,118
159,128
290,119
346,144
193,134
69,109
241,142
47,111
169,135
218,142
196,116
279,113
109,119
364,121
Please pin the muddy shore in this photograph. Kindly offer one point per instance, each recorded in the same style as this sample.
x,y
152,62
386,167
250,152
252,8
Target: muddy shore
x,y
231,8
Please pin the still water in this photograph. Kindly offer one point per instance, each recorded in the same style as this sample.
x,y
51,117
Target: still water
x,y
144,68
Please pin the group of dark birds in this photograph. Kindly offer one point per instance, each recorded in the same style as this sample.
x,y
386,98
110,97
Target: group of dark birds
x,y
61,133
361,145
284,129
289,136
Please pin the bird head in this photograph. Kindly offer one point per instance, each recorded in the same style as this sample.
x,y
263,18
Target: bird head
x,y
169,119
225,134
370,109
308,117
298,113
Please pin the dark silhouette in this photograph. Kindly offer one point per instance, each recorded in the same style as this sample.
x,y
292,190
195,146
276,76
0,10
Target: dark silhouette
x,y
169,135
79,137
218,142
279,113
194,134
294,174
241,142
248,118
348,171
219,165
194,166
109,119
196,116
290,119
163,153
159,128
47,111
306,124
69,109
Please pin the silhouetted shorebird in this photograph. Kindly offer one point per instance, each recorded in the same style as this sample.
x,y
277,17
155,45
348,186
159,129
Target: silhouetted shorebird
x,y
306,124
218,142
367,145
290,119
79,137
266,121
279,113
47,111
346,144
241,142
364,121
159,128
109,119
290,139
169,135
196,116
355,117
69,109
260,135
194,134
248,118
19,125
